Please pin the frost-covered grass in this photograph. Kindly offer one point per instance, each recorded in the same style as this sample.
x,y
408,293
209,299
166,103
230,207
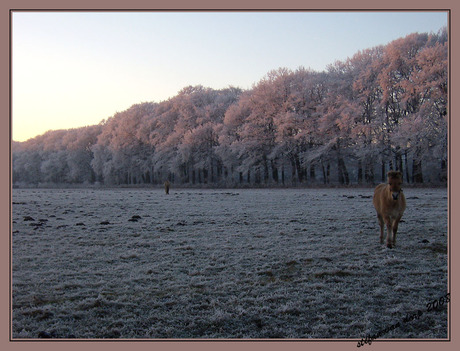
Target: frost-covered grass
x,y
224,264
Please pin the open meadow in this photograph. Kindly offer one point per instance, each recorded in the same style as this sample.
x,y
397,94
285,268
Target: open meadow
x,y
239,263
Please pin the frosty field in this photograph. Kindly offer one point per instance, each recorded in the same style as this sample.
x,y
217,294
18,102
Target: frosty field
x,y
282,263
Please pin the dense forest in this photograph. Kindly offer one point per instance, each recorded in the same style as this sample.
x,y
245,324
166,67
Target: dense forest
x,y
384,108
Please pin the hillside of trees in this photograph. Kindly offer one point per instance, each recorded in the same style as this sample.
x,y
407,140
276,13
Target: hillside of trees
x,y
384,108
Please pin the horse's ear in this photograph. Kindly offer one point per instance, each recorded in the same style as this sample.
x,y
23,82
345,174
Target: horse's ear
x,y
394,174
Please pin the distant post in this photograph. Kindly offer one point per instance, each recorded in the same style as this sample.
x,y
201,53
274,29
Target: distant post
x,y
167,185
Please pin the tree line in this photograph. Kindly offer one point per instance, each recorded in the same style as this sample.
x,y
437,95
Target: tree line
x,y
384,108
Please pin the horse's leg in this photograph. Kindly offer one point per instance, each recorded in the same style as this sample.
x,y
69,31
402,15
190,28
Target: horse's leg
x,y
395,229
389,233
381,223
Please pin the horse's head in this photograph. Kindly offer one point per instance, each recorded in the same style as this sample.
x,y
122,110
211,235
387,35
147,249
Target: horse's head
x,y
395,181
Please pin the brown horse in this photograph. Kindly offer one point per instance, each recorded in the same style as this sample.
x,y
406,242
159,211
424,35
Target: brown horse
x,y
167,185
390,203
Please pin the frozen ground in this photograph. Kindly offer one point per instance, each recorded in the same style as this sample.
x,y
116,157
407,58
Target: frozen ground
x,y
224,264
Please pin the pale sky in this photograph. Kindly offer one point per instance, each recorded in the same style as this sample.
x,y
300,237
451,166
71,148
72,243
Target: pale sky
x,y
72,69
